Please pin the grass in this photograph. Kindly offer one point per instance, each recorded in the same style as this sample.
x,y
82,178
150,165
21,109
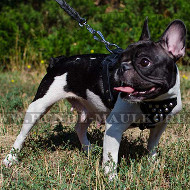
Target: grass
x,y
52,157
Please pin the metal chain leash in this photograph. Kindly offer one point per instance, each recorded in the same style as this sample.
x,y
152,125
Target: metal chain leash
x,y
83,23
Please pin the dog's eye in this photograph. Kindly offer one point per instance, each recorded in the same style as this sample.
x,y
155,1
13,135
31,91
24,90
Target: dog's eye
x,y
144,62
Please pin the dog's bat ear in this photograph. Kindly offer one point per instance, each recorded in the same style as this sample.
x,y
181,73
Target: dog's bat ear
x,y
145,35
173,39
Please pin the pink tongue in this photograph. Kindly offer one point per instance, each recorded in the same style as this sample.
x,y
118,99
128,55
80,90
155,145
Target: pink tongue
x,y
125,89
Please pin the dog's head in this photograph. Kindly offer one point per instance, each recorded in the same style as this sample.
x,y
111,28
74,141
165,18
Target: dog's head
x,y
147,68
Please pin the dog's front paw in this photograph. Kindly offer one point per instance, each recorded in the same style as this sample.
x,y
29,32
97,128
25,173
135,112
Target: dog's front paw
x,y
156,162
10,160
112,176
110,172
153,157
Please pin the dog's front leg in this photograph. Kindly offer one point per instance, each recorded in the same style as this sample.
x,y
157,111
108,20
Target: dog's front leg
x,y
154,137
112,139
155,133
121,117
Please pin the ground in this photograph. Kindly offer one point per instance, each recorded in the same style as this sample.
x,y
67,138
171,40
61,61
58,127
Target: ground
x,y
52,157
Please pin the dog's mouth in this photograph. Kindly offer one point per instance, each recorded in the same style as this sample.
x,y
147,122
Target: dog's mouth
x,y
129,92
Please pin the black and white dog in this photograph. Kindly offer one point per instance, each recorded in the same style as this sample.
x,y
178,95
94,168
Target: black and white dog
x,y
150,89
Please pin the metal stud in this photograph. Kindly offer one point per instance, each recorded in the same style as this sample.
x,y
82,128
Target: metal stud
x,y
165,106
156,118
171,105
154,110
161,117
107,91
160,111
166,110
157,106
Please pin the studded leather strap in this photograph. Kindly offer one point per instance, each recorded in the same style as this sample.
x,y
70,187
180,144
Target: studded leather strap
x,y
156,112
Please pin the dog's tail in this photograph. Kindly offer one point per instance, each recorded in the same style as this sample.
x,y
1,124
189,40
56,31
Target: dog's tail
x,y
53,61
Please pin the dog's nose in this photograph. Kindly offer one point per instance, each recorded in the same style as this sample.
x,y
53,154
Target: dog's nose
x,y
126,66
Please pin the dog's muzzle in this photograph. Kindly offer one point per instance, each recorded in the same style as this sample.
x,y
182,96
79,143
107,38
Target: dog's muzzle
x,y
125,66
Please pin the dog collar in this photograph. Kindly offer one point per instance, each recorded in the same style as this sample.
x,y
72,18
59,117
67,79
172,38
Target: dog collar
x,y
156,112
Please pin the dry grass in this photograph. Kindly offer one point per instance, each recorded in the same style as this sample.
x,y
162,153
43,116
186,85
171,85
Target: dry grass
x,y
52,156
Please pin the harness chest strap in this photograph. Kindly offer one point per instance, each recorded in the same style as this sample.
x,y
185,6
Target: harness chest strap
x,y
156,112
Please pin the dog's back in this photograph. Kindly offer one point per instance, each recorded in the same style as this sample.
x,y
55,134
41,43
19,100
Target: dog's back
x,y
83,75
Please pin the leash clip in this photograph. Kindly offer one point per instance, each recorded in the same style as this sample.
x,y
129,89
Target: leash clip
x,y
107,44
101,39
82,24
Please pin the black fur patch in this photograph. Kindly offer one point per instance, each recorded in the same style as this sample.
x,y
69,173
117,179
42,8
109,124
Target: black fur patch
x,y
44,86
83,72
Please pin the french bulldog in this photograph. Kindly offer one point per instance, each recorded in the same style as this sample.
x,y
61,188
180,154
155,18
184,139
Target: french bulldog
x,y
151,90
144,82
